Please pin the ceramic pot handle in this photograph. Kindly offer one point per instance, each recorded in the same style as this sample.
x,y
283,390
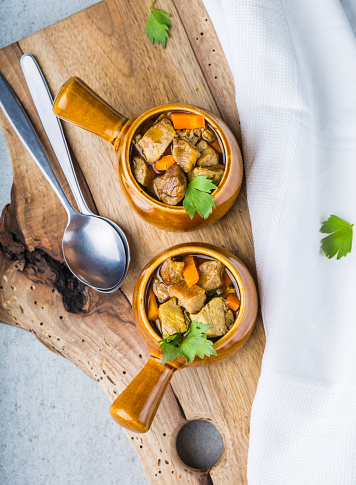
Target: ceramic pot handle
x,y
78,103
137,405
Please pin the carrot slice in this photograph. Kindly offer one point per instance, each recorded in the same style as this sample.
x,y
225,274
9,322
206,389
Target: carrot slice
x,y
216,145
233,301
164,163
190,272
152,313
187,121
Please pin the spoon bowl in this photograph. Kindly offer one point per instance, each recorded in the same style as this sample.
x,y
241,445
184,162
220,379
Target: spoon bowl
x,y
94,251
127,252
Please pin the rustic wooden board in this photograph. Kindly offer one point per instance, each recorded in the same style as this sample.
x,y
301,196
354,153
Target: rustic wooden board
x,y
105,45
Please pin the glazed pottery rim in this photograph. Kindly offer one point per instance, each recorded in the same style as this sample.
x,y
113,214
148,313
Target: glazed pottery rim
x,y
192,248
126,149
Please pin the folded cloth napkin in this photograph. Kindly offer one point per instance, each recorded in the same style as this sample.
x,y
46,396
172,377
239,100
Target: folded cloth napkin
x,y
294,66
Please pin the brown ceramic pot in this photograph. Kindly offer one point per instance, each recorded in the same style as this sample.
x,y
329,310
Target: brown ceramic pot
x,y
136,406
77,103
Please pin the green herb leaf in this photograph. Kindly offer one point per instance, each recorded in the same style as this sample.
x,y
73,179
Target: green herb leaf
x,y
202,183
170,347
198,198
157,25
339,240
193,343
196,342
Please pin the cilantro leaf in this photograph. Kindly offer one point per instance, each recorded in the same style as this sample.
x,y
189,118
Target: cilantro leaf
x,y
198,198
202,183
157,25
339,240
195,200
170,347
194,343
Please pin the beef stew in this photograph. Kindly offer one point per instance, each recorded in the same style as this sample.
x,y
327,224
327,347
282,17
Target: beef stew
x,y
192,287
165,158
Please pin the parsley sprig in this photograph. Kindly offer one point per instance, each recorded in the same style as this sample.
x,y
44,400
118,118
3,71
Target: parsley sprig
x,y
193,343
157,25
198,198
339,240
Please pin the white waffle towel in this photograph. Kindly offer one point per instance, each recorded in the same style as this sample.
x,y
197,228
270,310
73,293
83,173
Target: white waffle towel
x,y
294,66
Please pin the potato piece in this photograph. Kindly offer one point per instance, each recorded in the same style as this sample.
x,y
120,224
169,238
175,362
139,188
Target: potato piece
x,y
211,275
172,271
161,290
208,158
171,186
172,318
213,314
215,173
156,139
192,299
184,154
143,173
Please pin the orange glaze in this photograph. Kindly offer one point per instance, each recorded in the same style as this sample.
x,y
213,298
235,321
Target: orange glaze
x,y
136,407
78,103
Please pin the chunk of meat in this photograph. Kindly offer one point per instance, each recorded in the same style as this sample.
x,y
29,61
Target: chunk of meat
x,y
211,275
143,173
192,298
155,141
208,158
185,154
229,319
171,186
191,136
213,313
172,318
208,135
215,173
172,271
161,290
202,145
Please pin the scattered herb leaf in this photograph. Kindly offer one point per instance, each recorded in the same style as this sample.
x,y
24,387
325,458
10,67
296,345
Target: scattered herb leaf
x,y
339,240
193,343
157,25
198,198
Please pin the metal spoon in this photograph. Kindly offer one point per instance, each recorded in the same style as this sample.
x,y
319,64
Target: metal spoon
x,y
92,248
43,100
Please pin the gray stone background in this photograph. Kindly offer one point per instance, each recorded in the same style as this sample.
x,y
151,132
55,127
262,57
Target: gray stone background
x,y
44,436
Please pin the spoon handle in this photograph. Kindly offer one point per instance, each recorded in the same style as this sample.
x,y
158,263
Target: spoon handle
x,y
24,129
43,100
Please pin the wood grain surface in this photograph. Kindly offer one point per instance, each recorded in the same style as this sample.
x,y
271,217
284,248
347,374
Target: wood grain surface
x,y
106,46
